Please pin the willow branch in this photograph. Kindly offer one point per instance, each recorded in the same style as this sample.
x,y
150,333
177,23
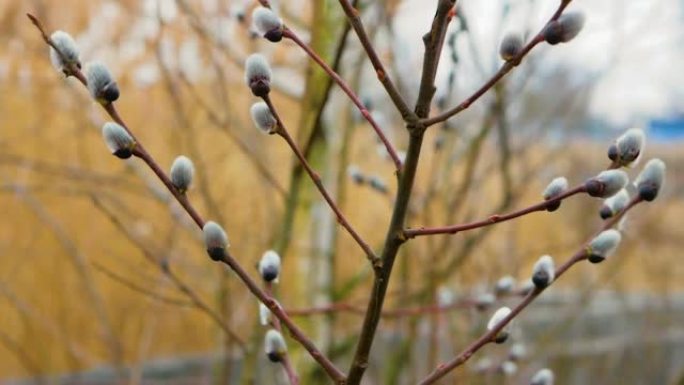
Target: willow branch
x,y
335,374
394,237
356,23
141,153
287,33
490,335
493,219
285,361
282,131
503,71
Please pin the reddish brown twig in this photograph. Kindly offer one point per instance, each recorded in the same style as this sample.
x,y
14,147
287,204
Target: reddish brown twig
x,y
394,237
505,69
334,373
72,70
140,152
356,23
490,335
282,131
287,33
284,361
493,219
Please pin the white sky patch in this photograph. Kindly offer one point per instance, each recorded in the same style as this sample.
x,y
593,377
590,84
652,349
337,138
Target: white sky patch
x,y
636,47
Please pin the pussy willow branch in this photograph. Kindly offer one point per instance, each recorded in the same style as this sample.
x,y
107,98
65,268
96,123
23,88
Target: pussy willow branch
x,y
394,237
222,124
505,69
493,219
285,361
282,131
356,23
287,33
140,152
335,374
490,335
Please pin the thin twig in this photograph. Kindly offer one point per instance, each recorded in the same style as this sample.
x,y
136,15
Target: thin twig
x,y
140,152
285,361
490,335
335,374
222,124
347,90
505,69
394,237
356,23
282,131
138,288
433,41
492,219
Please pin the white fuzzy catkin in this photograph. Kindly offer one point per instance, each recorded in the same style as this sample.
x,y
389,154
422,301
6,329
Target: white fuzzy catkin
x,y
117,139
182,171
355,174
69,52
510,47
265,20
542,377
498,316
258,74
274,345
650,180
215,240
556,187
526,287
483,365
607,183
484,300
509,368
603,245
101,83
377,184
571,23
566,28
269,266
263,118
615,204
629,147
504,285
543,271
517,352
264,314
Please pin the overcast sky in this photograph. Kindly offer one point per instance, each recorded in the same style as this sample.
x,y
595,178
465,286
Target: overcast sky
x,y
637,46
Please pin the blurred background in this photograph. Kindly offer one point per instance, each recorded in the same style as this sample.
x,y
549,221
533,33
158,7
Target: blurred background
x,y
104,279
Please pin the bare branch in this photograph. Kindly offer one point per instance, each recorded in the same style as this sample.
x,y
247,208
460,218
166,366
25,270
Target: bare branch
x,y
493,219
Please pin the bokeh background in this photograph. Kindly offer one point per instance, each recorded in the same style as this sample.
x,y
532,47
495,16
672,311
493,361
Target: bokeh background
x,y
83,235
